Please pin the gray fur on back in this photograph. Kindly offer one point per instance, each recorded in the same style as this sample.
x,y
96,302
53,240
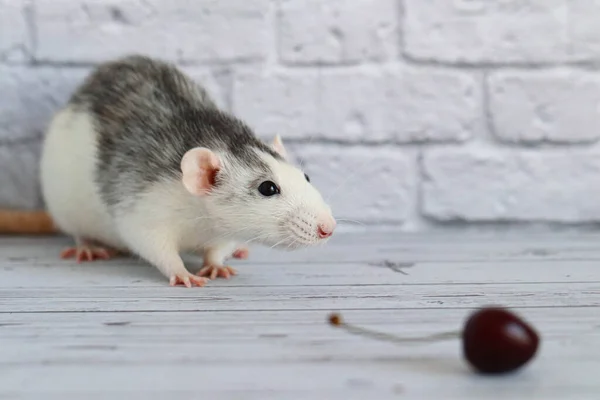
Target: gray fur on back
x,y
148,114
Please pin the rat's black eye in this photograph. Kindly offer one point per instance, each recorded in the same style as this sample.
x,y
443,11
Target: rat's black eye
x,y
268,188
307,178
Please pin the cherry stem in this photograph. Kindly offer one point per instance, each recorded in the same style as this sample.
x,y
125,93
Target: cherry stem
x,y
337,321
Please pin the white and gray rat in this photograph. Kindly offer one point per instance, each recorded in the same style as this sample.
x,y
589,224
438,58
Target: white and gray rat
x,y
142,161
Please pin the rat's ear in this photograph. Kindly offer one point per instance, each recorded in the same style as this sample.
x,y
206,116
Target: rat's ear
x,y
278,146
199,166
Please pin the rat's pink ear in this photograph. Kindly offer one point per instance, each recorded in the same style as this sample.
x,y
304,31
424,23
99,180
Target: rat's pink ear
x,y
199,166
278,146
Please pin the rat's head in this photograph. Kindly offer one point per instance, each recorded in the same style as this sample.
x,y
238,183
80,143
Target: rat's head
x,y
254,194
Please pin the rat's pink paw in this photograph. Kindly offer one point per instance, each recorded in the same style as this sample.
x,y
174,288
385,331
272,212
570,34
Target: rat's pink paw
x,y
214,271
187,279
88,253
241,253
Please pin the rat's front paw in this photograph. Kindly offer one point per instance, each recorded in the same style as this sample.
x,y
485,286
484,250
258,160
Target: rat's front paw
x,y
186,278
214,271
241,253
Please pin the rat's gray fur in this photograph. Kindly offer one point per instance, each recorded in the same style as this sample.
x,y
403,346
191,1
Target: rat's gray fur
x,y
148,114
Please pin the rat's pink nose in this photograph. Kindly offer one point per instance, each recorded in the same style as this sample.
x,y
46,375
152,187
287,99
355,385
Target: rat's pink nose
x,y
326,228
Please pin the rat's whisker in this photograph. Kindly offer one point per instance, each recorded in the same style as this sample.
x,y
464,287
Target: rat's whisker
x,y
261,236
288,237
349,220
293,243
227,235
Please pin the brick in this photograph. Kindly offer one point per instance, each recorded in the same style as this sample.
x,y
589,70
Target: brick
x,y
583,27
557,106
272,103
369,185
19,183
15,42
190,30
404,105
483,184
30,96
338,31
476,31
363,104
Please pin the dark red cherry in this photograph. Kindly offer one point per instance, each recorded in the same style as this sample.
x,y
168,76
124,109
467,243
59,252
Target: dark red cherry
x,y
497,341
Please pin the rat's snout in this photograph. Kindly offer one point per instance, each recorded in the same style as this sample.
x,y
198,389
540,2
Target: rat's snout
x,y
325,227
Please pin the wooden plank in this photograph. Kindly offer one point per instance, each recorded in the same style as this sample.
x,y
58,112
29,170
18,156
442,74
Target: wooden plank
x,y
310,381
290,355
270,336
44,274
133,299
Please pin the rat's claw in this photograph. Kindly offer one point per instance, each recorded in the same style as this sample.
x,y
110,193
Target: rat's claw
x,y
187,279
103,253
217,271
84,255
86,252
241,253
68,252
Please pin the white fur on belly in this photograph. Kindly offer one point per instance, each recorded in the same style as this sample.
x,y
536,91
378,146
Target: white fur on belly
x,y
67,178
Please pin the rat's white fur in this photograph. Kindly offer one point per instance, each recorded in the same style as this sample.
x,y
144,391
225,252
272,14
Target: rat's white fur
x,y
169,219
66,175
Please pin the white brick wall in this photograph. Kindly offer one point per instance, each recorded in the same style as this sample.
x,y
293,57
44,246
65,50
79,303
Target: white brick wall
x,y
412,113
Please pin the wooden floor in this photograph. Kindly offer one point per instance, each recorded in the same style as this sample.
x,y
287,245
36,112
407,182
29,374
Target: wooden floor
x,y
116,330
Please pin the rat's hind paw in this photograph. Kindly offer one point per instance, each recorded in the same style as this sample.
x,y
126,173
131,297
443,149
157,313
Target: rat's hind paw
x,y
186,278
215,271
241,253
87,252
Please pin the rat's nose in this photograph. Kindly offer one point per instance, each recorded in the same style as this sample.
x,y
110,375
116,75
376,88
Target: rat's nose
x,y
326,227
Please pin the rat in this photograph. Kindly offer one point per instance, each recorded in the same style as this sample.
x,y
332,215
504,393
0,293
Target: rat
x,y
141,161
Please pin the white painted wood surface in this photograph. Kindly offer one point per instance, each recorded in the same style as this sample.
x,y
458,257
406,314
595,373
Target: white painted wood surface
x,y
116,330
